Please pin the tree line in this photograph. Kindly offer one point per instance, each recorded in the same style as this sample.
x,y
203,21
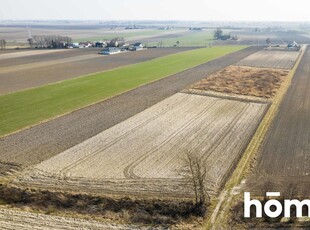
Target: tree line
x,y
49,41
219,35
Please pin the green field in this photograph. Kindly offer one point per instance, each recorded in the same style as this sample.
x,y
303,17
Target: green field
x,y
22,109
195,38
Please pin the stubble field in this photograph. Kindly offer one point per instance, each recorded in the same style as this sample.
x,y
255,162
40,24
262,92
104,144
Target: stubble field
x,y
248,81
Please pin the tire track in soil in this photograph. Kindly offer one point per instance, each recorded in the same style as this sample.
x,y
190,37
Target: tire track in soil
x,y
129,170
99,151
36,144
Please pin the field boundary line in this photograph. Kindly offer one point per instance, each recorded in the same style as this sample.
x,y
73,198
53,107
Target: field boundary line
x,y
233,97
218,216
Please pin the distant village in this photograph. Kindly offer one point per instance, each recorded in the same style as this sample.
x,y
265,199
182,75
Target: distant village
x,y
114,46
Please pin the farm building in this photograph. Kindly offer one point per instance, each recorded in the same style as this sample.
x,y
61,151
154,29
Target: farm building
x,y
110,50
293,46
85,44
136,46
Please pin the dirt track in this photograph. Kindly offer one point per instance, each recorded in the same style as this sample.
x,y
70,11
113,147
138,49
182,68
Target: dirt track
x,y
284,162
41,142
31,74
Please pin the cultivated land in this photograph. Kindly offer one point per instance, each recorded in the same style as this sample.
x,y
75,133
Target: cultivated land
x,y
29,107
17,35
217,129
283,164
271,59
246,81
31,146
5,56
22,73
13,220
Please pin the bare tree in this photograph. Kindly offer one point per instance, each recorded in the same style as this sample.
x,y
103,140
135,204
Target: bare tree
x,y
194,170
30,41
2,44
160,44
51,41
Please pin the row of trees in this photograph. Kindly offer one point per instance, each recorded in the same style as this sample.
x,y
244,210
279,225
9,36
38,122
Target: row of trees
x,y
219,35
49,41
2,44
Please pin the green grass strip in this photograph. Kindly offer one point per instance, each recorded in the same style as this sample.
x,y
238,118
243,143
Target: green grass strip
x,y
25,108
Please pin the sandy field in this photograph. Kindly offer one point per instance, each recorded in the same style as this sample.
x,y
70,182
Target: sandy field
x,y
144,153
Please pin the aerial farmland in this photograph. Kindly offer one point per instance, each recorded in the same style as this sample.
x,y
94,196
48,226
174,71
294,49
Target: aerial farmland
x,y
166,132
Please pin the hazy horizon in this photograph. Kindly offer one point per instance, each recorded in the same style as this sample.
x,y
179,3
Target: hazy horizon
x,y
158,10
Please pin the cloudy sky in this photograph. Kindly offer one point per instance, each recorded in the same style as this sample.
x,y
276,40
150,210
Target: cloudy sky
x,y
253,10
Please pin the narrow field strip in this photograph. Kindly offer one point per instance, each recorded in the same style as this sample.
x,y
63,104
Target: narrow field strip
x,y
48,63
271,59
23,109
27,53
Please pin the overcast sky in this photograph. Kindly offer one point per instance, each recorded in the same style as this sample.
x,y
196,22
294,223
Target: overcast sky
x,y
204,10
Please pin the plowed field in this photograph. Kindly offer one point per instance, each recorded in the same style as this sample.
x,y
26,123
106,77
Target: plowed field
x,y
142,155
271,59
284,161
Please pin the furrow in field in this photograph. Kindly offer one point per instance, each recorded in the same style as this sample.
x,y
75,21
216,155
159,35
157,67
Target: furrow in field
x,y
142,155
271,59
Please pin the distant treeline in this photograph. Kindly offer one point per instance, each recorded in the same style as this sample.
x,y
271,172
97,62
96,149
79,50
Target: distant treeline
x,y
49,41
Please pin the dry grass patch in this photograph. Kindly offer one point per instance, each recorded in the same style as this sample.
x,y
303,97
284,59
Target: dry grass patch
x,y
247,81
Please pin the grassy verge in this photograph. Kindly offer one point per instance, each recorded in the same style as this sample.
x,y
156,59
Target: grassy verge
x,y
125,209
22,109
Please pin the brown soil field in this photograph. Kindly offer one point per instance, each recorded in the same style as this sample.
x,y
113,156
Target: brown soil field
x,y
143,155
247,81
72,64
43,56
284,163
11,219
271,59
36,144
28,53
